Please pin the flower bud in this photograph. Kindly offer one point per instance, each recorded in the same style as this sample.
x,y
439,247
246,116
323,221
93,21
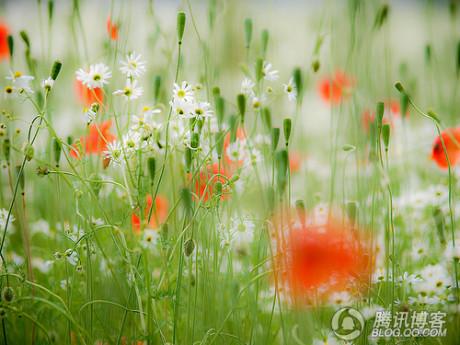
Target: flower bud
x,y
218,189
297,76
195,141
7,294
282,160
241,101
151,164
7,149
267,118
50,10
287,130
386,135
188,159
348,148
180,26
56,69
399,87
220,109
380,111
275,137
57,147
381,16
404,101
259,69
189,247
248,32
11,45
233,127
315,65
433,116
157,87
25,38
219,143
187,200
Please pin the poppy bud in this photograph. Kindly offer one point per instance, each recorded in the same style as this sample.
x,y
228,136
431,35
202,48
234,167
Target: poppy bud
x,y
404,101
287,129
282,168
25,38
267,118
233,128
151,163
433,116
259,69
50,9
381,16
275,138
7,149
399,87
219,143
220,109
11,45
56,69
7,294
265,37
195,141
156,87
180,26
428,53
188,158
248,32
315,65
297,76
380,111
189,247
187,200
20,176
241,101
386,135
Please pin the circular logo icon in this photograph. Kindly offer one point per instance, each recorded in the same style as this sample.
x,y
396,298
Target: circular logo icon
x,y
347,323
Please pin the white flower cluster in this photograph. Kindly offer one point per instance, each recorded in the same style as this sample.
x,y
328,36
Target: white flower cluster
x,y
185,105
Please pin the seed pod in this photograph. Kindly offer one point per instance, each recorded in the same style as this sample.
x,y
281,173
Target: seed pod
x,y
156,87
180,26
267,118
11,45
264,38
189,247
259,69
187,200
151,163
380,112
241,101
287,124
7,294
218,189
275,137
315,65
386,135
248,32
348,148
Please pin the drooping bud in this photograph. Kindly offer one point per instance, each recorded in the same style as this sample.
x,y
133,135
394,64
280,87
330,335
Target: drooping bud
x,y
315,65
241,101
248,32
275,137
56,69
151,164
180,26
399,87
386,135
57,148
157,87
433,116
267,118
264,38
381,16
287,124
25,38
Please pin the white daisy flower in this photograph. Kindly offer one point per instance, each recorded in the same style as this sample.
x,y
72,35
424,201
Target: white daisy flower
x,y
268,72
182,108
183,92
133,66
329,340
201,110
290,90
236,151
20,82
91,112
97,76
247,87
114,152
131,91
341,298
132,141
150,238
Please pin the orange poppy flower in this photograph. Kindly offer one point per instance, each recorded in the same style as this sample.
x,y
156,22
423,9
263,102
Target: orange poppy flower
x,y
4,49
96,141
316,260
112,29
88,96
159,213
295,161
206,180
451,138
334,89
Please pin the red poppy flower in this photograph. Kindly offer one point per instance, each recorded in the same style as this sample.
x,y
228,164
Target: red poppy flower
x,y
334,89
4,49
316,260
112,29
88,96
295,161
159,213
206,180
451,138
96,140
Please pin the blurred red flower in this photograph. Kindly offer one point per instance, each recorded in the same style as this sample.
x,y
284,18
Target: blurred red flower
x,y
206,181
112,29
4,49
336,88
96,141
451,138
159,213
88,96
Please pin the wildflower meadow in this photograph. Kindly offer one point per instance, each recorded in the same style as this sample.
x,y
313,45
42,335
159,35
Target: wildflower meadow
x,y
220,172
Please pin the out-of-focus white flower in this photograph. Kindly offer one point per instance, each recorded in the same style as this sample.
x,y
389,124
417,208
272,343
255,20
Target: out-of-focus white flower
x,y
183,92
48,83
41,226
91,112
131,90
290,90
133,66
201,110
132,141
247,87
71,256
4,216
150,238
340,298
20,82
435,280
453,252
96,77
114,152
182,108
236,151
42,265
269,73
